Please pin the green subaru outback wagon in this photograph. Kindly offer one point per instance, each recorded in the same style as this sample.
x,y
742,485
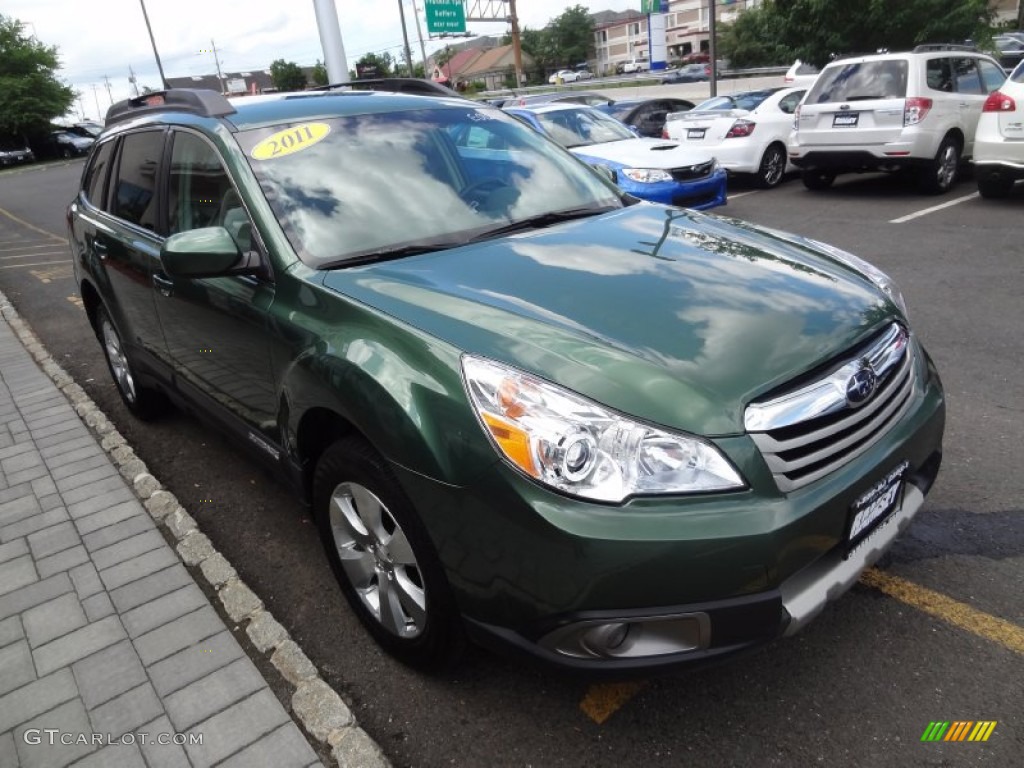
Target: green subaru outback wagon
x,y
526,409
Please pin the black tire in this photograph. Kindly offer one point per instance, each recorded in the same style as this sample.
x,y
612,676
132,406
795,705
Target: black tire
x,y
66,153
817,179
392,558
772,169
941,173
146,403
994,187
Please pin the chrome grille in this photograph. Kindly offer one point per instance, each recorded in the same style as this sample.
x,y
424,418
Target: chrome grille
x,y
812,430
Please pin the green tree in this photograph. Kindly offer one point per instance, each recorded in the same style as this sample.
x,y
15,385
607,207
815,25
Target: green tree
x,y
319,73
778,31
571,36
381,63
30,93
287,76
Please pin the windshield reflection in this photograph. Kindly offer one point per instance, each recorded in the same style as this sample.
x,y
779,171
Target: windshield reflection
x,y
379,185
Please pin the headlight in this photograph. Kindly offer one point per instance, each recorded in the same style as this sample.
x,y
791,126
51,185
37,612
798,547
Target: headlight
x,y
646,175
885,283
574,445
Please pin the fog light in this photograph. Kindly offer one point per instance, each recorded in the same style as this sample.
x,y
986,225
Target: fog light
x,y
605,639
632,637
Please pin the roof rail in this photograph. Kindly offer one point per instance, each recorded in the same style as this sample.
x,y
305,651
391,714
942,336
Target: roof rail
x,y
394,85
943,47
195,100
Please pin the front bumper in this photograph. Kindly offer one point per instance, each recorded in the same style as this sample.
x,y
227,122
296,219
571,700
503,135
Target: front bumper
x,y
659,583
699,195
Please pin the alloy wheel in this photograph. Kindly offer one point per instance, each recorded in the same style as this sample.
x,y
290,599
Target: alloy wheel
x,y
378,560
118,361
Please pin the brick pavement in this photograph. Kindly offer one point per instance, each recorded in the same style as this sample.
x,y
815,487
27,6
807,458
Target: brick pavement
x,y
104,635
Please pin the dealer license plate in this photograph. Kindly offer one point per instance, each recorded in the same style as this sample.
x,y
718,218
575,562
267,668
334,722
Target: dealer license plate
x,y
845,120
875,505
696,133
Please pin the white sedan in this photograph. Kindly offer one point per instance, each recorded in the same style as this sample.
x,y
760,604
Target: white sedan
x,y
564,76
746,131
999,141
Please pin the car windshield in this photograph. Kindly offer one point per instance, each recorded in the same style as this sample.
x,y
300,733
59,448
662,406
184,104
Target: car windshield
x,y
860,81
378,185
582,127
748,100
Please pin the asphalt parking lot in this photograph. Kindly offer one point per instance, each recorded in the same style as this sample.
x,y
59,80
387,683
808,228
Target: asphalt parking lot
x,y
935,633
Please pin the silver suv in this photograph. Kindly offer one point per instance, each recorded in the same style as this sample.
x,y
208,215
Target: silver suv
x,y
894,111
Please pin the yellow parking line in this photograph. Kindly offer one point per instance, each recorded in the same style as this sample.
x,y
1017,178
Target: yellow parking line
x,y
946,608
605,699
33,227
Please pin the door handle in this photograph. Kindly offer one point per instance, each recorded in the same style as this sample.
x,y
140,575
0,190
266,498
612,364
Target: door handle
x,y
100,248
163,284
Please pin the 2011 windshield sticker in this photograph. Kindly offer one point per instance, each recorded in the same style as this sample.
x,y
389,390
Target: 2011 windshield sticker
x,y
289,141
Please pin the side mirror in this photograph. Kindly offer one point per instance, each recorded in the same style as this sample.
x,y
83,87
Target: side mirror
x,y
206,252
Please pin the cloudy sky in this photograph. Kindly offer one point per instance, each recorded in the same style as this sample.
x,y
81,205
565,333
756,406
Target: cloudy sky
x,y
105,37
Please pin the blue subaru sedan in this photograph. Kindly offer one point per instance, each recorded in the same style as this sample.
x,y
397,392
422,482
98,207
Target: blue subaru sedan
x,y
652,169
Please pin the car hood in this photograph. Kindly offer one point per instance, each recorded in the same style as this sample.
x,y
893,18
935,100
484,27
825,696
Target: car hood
x,y
669,315
642,153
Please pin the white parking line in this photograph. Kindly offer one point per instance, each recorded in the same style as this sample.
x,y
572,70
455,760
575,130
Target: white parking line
x,y
933,209
742,194
39,264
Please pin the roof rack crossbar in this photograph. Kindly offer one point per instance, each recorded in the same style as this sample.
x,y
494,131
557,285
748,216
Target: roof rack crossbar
x,y
926,47
412,85
196,100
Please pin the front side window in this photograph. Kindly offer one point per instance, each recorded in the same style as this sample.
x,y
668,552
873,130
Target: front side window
x,y
135,189
96,179
370,185
939,75
200,193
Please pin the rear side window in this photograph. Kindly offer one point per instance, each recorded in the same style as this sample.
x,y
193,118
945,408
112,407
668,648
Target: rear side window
x,y
967,78
860,81
135,191
1018,73
96,179
991,75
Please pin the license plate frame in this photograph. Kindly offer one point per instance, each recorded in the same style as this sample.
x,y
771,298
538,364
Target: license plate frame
x,y
696,133
845,119
875,506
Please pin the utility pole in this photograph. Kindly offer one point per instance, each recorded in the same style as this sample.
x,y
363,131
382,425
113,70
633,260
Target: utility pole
x,y
517,46
419,33
330,40
99,114
152,40
133,80
81,109
109,94
216,60
405,36
713,80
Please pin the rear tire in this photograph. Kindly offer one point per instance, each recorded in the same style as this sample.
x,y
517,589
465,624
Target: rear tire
x,y
994,187
145,403
817,179
939,175
383,558
772,169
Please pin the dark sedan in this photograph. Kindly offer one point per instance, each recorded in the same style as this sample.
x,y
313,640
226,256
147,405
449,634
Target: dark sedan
x,y
646,115
691,73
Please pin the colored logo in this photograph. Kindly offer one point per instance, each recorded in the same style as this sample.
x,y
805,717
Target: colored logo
x,y
959,730
861,386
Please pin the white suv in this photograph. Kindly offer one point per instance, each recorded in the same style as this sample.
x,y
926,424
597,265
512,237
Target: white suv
x,y
893,111
999,143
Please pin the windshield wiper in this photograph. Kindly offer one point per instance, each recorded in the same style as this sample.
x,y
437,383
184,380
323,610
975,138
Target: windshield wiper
x,y
387,254
543,220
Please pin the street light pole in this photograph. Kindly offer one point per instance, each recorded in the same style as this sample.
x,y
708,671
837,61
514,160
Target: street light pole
x,y
711,48
517,46
419,34
330,40
405,36
159,65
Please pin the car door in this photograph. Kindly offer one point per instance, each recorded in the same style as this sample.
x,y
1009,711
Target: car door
x,y
124,241
972,95
216,329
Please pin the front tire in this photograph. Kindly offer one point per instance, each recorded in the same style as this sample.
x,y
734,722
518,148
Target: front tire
x,y
817,179
939,175
146,403
383,558
773,166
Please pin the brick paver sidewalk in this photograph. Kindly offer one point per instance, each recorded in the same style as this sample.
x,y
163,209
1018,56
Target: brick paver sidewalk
x,y
104,635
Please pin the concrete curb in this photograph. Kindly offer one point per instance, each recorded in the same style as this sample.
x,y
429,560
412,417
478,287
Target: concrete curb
x,y
317,707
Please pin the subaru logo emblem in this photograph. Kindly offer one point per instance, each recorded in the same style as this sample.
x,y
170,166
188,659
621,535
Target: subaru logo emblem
x,y
861,386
